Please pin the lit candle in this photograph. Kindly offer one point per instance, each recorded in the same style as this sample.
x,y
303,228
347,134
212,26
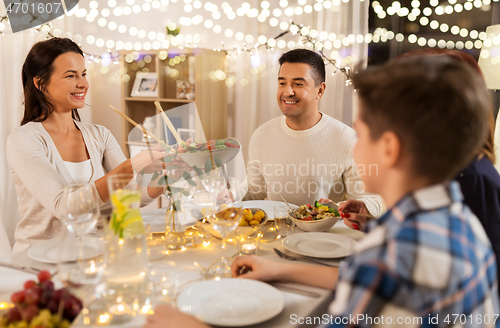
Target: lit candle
x,y
120,312
248,249
91,270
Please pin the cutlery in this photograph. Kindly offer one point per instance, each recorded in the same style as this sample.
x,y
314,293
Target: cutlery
x,y
20,268
244,269
306,259
276,191
296,290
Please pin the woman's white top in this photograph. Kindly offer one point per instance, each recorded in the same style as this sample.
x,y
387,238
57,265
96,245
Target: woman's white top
x,y
81,172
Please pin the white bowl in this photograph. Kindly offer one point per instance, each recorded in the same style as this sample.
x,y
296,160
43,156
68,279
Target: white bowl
x,y
316,225
240,230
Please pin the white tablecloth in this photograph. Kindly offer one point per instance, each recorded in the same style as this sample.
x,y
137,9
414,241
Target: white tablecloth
x,y
295,304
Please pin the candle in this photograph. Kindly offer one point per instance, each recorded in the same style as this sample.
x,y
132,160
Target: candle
x,y
120,312
248,249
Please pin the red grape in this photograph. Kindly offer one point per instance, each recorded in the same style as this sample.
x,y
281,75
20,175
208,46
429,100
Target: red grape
x,y
13,315
30,312
29,284
58,294
18,297
44,276
47,285
32,297
53,306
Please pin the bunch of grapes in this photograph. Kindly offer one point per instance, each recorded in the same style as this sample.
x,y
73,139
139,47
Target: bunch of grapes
x,y
40,306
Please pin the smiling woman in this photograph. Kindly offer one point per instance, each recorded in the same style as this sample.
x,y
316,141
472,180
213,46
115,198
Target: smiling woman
x,y
51,141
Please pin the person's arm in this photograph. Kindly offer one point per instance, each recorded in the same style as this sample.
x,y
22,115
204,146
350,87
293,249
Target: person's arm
x,y
27,155
355,189
166,316
267,270
114,162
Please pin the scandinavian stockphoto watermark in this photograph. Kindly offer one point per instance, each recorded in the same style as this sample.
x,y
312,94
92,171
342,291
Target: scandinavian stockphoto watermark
x,y
25,14
311,178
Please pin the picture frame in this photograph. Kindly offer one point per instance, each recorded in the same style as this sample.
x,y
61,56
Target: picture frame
x,y
145,85
184,90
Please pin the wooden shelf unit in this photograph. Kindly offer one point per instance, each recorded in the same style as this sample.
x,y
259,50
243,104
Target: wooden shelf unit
x,y
198,65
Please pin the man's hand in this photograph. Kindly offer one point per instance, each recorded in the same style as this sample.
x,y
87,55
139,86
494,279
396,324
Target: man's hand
x,y
167,317
355,214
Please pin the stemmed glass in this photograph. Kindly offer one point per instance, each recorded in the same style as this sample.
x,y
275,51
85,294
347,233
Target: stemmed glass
x,y
215,182
80,269
224,219
81,210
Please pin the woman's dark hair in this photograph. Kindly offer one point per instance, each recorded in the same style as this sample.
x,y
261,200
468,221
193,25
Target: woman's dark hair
x,y
40,63
313,59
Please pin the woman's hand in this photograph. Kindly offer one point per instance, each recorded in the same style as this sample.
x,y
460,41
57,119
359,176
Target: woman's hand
x,y
355,214
255,267
167,317
148,160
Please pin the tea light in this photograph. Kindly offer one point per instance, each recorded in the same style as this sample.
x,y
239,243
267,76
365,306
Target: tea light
x,y
92,270
248,249
120,312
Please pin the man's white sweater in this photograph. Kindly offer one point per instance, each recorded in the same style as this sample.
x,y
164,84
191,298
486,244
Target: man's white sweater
x,y
307,165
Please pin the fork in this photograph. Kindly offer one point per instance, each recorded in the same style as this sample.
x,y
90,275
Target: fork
x,y
293,258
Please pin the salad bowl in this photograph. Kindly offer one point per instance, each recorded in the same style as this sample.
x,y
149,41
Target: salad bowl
x,y
317,218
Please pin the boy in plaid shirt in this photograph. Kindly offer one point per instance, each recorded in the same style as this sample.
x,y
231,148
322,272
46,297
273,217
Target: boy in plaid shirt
x,y
427,262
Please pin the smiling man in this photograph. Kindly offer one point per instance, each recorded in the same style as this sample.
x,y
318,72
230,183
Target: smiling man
x,y
305,154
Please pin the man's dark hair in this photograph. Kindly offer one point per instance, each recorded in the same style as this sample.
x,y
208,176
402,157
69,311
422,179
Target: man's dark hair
x,y
437,106
309,57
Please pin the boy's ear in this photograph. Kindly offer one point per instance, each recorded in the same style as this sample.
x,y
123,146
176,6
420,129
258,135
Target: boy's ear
x,y
391,148
321,90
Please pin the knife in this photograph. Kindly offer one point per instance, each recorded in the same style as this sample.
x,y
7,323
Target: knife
x,y
296,290
20,268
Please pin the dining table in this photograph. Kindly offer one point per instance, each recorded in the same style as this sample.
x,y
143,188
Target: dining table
x,y
300,301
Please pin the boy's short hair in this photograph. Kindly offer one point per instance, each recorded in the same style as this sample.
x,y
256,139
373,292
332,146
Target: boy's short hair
x,y
313,59
436,105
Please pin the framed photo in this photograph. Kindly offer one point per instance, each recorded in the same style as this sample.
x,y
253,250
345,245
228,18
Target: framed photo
x,y
145,85
185,90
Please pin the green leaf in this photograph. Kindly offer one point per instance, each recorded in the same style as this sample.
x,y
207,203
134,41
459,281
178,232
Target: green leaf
x,y
208,165
199,172
189,179
218,162
155,175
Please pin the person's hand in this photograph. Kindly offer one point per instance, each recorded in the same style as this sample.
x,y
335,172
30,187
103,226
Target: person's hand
x,y
255,267
148,160
354,213
167,317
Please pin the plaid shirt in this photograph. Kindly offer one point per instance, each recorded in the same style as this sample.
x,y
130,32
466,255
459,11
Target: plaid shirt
x,y
426,263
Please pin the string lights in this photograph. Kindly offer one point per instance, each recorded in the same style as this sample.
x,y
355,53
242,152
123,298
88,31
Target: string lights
x,y
276,13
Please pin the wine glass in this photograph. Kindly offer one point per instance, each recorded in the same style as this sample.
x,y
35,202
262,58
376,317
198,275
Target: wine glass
x,y
81,209
224,220
80,269
215,182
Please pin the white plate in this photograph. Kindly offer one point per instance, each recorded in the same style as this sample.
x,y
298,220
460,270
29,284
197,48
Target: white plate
x,y
47,251
231,302
320,244
266,205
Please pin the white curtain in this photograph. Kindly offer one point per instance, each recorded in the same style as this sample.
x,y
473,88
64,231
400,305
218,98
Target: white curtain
x,y
13,50
255,103
248,105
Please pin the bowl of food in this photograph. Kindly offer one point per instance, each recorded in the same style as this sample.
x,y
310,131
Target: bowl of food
x,y
252,220
317,218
